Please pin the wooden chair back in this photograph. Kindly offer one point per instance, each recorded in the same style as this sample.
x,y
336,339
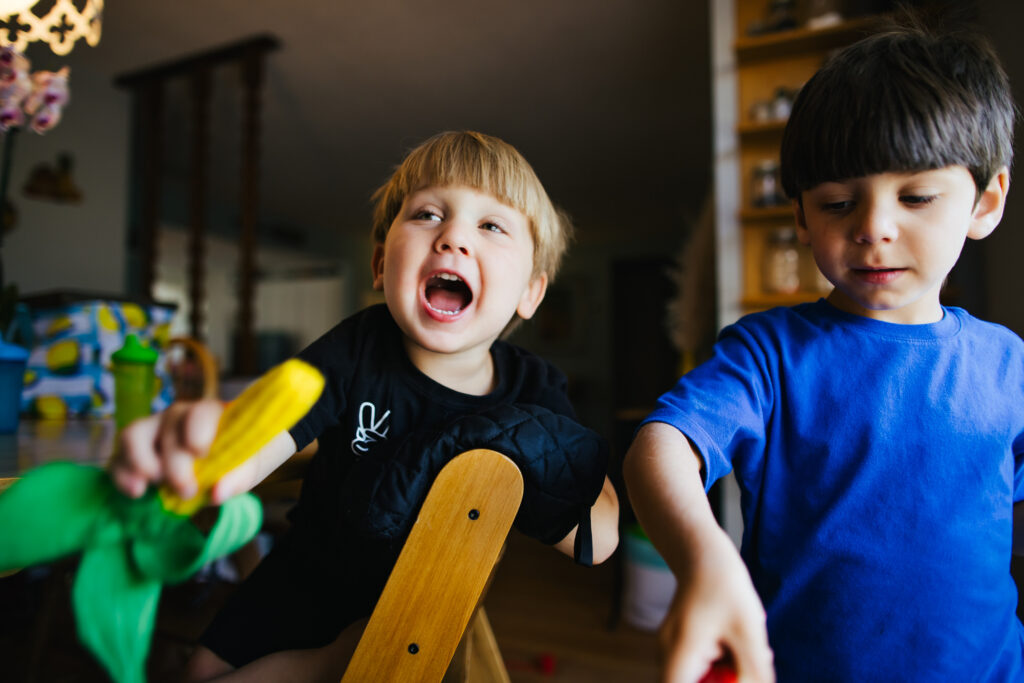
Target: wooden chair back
x,y
441,573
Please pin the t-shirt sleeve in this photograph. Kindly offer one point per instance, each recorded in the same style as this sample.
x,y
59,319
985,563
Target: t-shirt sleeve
x,y
334,354
554,392
723,404
543,384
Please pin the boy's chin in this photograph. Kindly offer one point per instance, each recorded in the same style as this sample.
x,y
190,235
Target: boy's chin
x,y
447,341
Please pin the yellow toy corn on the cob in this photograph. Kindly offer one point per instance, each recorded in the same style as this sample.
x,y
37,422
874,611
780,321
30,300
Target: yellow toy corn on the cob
x,y
271,404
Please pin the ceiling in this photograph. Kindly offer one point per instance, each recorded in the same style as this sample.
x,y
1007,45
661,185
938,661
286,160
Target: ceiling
x,y
608,99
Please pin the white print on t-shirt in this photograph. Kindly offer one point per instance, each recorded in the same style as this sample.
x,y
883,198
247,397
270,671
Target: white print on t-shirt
x,y
370,429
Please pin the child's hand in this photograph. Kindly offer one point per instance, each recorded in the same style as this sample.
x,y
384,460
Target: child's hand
x,y
716,614
162,448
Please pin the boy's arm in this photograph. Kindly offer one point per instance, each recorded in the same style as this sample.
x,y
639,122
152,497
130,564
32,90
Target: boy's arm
x,y
604,526
164,447
716,611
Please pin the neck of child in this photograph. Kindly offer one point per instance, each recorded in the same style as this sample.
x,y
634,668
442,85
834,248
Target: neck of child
x,y
469,372
926,310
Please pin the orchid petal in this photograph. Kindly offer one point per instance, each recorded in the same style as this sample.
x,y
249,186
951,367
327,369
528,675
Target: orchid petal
x,y
47,118
11,116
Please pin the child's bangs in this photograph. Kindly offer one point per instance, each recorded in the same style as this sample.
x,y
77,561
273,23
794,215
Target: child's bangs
x,y
481,168
485,164
888,129
896,107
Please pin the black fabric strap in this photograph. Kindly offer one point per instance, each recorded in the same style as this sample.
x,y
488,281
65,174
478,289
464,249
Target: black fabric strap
x,y
583,549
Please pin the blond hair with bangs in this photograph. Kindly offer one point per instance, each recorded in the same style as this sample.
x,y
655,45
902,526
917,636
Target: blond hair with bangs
x,y
486,164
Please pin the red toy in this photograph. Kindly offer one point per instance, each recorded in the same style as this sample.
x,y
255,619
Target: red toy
x,y
721,671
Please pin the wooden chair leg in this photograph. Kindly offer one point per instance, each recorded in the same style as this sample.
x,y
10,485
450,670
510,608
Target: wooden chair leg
x,y
477,659
485,661
458,670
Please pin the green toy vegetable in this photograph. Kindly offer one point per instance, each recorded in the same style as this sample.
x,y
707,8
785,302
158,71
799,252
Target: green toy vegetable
x,y
131,547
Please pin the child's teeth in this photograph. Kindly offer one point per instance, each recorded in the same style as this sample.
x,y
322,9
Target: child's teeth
x,y
442,311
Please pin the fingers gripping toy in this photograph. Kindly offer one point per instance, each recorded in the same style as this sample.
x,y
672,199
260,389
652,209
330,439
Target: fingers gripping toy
x,y
131,547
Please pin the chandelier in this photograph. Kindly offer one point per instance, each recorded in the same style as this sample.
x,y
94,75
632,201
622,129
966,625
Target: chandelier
x,y
58,23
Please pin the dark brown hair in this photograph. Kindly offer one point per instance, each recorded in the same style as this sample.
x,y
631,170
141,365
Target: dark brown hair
x,y
908,98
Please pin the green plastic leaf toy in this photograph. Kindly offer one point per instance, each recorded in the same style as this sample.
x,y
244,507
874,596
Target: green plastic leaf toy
x,y
131,547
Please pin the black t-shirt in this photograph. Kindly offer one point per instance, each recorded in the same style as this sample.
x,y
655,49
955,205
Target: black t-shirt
x,y
374,396
326,572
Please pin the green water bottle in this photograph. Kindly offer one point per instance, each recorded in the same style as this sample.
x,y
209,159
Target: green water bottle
x,y
134,366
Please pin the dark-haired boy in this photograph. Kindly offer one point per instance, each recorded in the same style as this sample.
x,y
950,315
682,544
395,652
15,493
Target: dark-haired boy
x,y
877,436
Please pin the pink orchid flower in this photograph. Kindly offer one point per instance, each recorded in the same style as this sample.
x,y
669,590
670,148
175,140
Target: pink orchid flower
x,y
46,118
49,90
41,95
13,66
11,116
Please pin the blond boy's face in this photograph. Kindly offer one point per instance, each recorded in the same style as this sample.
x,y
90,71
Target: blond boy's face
x,y
455,267
887,241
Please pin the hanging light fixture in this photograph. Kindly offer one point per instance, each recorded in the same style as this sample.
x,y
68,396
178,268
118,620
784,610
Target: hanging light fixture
x,y
58,23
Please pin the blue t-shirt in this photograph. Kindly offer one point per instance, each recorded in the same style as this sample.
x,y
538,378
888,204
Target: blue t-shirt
x,y
878,466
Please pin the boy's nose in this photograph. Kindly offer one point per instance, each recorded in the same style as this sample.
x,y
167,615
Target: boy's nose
x,y
453,237
875,224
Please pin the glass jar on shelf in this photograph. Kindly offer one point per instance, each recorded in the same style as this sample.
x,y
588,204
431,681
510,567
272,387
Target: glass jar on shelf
x,y
781,268
811,277
765,184
782,103
820,14
781,16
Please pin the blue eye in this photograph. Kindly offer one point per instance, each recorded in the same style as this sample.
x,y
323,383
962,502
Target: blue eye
x,y
491,227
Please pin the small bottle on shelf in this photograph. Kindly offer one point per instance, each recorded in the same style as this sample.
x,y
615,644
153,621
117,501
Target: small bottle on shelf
x,y
765,185
782,262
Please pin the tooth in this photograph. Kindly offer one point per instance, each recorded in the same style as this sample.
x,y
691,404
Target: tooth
x,y
441,311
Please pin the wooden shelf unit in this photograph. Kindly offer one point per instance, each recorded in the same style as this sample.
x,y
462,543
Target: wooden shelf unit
x,y
799,40
765,63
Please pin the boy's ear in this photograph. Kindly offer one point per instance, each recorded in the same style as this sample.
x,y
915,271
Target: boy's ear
x,y
802,233
988,210
532,296
377,267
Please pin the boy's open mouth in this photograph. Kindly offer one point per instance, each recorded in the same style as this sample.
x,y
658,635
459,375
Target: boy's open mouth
x,y
447,294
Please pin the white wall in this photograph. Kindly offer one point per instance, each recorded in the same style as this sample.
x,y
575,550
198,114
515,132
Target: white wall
x,y
80,246
296,294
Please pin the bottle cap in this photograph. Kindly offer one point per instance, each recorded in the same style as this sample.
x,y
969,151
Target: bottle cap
x,y
134,351
12,352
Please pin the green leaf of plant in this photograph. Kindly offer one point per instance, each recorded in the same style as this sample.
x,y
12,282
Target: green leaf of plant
x,y
115,608
53,511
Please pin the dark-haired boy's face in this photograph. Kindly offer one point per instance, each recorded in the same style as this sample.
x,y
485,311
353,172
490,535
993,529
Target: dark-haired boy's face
x,y
887,241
